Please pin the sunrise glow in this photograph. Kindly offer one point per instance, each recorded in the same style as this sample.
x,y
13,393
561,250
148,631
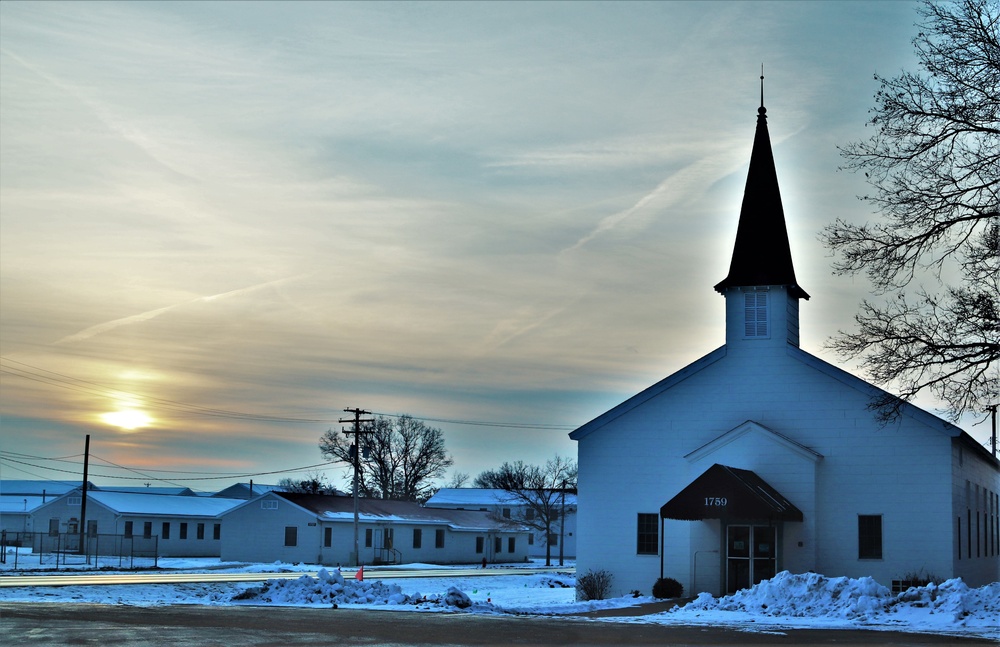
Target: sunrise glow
x,y
128,420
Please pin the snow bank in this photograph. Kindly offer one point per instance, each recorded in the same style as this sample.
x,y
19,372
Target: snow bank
x,y
949,605
953,598
333,589
808,594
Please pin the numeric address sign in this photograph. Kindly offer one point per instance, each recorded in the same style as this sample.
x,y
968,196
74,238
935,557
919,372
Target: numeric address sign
x,y
716,501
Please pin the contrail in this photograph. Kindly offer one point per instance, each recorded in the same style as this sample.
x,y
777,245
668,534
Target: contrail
x,y
152,314
682,185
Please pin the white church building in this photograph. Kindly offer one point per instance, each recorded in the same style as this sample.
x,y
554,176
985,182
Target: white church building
x,y
760,457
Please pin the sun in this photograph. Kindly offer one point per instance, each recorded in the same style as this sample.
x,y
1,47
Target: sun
x,y
128,419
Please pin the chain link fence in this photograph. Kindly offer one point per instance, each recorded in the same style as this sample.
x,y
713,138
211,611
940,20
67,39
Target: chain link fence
x,y
71,550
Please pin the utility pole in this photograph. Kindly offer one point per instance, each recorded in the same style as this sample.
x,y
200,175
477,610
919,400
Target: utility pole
x,y
993,438
562,521
356,455
83,497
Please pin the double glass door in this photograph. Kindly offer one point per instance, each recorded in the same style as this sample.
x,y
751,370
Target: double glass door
x,y
751,555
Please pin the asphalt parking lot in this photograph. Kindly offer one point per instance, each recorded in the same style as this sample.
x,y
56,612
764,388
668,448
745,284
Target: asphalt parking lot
x,y
203,626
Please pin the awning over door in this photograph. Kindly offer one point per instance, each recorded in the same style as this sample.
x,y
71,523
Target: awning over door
x,y
730,493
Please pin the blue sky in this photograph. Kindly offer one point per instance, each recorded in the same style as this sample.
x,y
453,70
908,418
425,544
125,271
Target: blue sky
x,y
486,212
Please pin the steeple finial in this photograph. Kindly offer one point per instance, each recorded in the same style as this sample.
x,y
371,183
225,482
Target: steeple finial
x,y
761,85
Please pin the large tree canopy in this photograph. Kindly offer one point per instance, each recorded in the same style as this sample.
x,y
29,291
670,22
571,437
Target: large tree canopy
x,y
933,259
400,457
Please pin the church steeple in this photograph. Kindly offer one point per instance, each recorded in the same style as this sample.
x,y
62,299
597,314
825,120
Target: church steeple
x,y
762,256
762,295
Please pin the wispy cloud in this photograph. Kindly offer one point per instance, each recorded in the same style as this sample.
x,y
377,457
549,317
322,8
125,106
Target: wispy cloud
x,y
107,326
467,200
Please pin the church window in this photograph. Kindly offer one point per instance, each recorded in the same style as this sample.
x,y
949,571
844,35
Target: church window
x,y
755,308
646,534
870,536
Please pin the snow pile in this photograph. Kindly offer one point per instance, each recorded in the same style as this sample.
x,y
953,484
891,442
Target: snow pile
x,y
808,594
333,589
953,598
457,598
860,601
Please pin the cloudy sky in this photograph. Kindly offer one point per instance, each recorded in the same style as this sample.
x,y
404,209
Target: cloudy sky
x,y
223,224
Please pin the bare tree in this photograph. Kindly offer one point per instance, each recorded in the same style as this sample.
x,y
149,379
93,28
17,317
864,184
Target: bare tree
x,y
538,491
313,483
400,458
934,165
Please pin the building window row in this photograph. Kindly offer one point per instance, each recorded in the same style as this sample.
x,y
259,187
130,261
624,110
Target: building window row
x,y
981,535
165,530
497,545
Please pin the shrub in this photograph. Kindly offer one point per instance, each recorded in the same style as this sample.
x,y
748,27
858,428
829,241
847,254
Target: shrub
x,y
919,578
593,585
667,587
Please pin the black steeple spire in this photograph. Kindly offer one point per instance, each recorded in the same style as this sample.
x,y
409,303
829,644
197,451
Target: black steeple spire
x,y
761,255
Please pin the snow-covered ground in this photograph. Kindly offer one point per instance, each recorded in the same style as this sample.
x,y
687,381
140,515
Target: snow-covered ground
x,y
783,602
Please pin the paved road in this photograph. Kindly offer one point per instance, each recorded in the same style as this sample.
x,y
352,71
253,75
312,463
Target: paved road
x,y
159,577
243,626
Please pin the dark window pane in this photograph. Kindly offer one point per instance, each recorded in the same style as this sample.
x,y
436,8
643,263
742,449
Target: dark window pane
x,y
870,536
739,541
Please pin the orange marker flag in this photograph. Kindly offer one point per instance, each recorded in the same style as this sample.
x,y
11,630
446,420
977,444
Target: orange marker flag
x,y
359,574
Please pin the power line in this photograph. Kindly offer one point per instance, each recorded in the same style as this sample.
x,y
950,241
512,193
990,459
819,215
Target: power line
x,y
480,423
62,459
147,478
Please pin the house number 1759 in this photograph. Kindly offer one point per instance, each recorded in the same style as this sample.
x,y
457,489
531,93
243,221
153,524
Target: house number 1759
x,y
716,500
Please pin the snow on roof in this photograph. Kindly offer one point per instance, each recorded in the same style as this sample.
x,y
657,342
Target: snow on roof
x,y
13,503
162,504
245,490
176,491
51,488
483,498
341,508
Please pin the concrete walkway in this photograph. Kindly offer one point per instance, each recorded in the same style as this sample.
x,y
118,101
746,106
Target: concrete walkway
x,y
646,609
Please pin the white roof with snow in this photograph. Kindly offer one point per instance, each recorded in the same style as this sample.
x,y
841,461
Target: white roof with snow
x,y
476,498
14,503
163,504
37,487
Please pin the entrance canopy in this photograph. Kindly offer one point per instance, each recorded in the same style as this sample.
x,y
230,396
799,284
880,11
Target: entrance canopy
x,y
730,493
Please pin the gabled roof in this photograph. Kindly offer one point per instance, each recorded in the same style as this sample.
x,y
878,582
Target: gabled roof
x,y
341,508
20,503
245,490
858,384
51,488
762,255
723,492
648,394
169,491
162,504
842,376
749,427
469,497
